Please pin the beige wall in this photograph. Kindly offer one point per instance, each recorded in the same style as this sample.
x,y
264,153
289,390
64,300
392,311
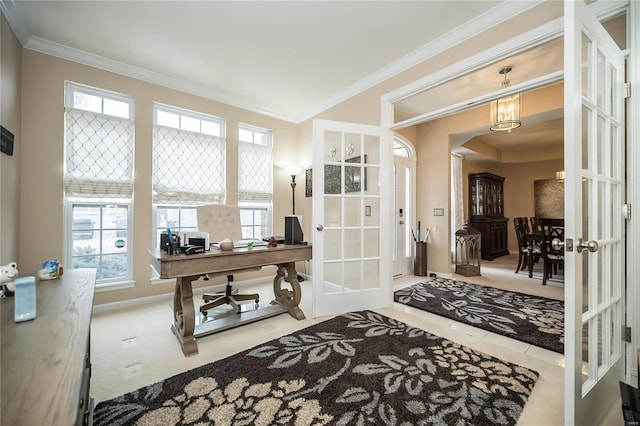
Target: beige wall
x,y
10,118
43,134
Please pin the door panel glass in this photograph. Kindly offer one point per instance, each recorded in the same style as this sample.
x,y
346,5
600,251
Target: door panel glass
x,y
586,183
332,146
602,147
352,147
372,149
585,285
353,180
586,120
601,203
600,333
585,351
600,81
332,278
352,275
372,184
353,211
371,212
371,249
370,277
332,244
352,243
586,69
332,211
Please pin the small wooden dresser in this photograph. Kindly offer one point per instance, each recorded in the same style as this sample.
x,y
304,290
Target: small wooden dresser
x,y
45,362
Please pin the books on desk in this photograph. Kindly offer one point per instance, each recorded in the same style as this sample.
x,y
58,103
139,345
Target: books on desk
x,y
242,243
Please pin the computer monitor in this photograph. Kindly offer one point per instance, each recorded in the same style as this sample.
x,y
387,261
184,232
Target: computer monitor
x,y
292,230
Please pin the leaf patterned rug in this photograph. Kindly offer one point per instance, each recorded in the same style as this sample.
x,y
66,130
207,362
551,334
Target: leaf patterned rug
x,y
531,319
354,369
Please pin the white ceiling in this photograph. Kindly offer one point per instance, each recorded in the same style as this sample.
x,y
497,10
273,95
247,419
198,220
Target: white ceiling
x,y
287,59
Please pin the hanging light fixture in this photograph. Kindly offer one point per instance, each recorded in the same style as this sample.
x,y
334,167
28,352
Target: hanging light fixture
x,y
505,112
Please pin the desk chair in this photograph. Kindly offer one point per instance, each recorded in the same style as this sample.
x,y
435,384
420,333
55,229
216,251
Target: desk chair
x,y
222,221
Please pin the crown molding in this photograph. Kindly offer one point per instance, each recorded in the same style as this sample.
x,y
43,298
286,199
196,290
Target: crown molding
x,y
75,55
15,20
495,16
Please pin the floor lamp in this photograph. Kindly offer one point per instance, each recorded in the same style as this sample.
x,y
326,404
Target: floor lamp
x,y
293,171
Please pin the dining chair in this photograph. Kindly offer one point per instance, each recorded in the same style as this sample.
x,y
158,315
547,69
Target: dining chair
x,y
528,245
553,259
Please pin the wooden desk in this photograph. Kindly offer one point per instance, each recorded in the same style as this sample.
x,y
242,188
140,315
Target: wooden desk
x,y
186,269
45,362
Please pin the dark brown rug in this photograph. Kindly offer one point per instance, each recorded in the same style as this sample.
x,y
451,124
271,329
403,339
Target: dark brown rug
x,y
355,369
531,319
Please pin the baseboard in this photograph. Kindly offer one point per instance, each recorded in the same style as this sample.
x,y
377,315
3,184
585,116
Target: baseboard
x,y
107,307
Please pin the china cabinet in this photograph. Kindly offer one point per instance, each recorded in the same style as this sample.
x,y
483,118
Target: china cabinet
x,y
486,213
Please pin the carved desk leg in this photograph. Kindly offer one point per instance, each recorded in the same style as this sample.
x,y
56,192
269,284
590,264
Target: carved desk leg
x,y
290,299
184,318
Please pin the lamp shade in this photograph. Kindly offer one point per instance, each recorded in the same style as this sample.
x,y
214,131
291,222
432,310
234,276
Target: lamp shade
x,y
505,113
292,169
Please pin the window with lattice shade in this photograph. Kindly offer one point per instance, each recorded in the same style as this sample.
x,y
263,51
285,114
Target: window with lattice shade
x,y
255,181
98,146
255,165
189,151
98,183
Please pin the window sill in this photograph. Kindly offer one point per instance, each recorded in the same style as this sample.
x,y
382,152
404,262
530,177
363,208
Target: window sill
x,y
157,280
115,286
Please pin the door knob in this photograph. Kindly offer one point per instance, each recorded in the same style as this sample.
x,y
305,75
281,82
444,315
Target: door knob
x,y
591,245
319,227
402,222
557,244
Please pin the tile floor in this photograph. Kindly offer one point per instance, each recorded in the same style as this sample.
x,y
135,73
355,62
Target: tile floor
x,y
134,347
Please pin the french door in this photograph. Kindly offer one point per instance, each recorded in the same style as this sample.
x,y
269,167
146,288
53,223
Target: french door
x,y
594,224
352,211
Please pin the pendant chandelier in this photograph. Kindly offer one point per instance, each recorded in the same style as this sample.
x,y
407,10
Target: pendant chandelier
x,y
505,112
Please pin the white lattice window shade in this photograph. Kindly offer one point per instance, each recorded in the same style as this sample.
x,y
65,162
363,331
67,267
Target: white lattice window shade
x,y
255,172
98,155
188,167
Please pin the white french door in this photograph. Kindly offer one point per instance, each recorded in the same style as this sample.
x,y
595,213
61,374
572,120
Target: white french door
x,y
352,211
594,225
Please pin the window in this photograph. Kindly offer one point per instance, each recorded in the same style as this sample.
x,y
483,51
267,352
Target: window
x,y
255,181
189,155
255,221
400,148
177,218
98,182
99,236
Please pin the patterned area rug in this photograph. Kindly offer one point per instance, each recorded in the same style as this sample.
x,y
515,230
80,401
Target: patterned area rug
x,y
358,368
531,319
